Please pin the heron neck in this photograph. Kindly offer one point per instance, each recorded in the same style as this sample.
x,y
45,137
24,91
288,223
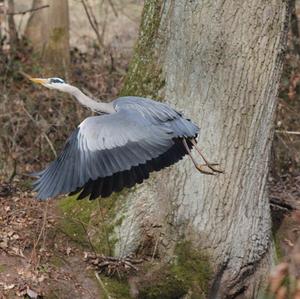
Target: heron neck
x,y
90,103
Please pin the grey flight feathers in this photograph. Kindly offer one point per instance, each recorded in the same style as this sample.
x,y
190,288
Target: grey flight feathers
x,y
109,152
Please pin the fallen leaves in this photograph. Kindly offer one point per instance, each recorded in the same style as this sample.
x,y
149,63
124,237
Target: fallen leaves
x,y
277,276
26,291
35,257
277,286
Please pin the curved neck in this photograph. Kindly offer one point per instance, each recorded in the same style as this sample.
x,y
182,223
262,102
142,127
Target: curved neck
x,y
91,104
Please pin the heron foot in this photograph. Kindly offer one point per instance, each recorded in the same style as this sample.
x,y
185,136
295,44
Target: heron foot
x,y
214,169
207,168
203,168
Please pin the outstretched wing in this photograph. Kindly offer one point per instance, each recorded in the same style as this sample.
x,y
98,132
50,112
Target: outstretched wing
x,y
109,152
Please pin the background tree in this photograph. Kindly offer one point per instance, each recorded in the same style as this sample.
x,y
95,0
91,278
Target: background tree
x,y
220,62
48,31
13,35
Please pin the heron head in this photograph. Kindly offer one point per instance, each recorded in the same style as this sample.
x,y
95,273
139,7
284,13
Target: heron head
x,y
53,83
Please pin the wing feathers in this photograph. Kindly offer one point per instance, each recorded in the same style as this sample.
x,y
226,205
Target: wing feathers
x,y
107,153
103,187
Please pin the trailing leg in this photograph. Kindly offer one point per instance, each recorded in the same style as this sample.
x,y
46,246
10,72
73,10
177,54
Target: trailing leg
x,y
208,164
198,166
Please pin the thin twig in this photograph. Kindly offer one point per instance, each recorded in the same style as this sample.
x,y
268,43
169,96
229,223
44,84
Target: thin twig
x,y
42,232
24,75
27,10
50,144
88,237
14,171
102,286
93,25
43,133
113,8
105,230
155,249
287,132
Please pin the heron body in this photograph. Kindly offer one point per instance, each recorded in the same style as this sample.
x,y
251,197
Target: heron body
x,y
131,138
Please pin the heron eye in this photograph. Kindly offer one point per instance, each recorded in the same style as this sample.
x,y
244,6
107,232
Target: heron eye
x,y
56,80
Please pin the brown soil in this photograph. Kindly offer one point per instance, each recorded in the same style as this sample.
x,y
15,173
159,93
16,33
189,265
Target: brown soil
x,y
36,258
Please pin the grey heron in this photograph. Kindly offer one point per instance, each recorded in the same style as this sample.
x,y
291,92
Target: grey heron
x,y
128,139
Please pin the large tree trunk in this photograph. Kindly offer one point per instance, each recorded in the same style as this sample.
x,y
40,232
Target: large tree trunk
x,y
48,31
220,63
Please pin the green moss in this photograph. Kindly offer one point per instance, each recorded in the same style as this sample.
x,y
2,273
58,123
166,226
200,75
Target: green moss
x,y
59,291
189,272
26,184
57,34
116,288
57,261
2,268
192,266
144,77
53,294
278,251
76,217
163,284
93,222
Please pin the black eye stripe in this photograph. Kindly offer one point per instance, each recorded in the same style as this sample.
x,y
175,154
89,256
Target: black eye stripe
x,y
56,81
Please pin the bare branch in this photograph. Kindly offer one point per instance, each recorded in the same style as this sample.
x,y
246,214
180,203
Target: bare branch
x,y
24,74
11,13
287,132
43,133
113,8
102,285
93,23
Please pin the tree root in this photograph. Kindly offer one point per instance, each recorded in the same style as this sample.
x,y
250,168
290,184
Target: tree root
x,y
112,266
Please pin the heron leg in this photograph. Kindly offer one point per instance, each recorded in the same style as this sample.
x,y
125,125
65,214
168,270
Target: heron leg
x,y
200,168
208,164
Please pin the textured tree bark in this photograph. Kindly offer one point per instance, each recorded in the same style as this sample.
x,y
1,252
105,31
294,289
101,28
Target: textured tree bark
x,y
48,31
220,63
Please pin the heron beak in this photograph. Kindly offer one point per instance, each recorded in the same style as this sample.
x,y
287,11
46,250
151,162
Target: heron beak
x,y
38,80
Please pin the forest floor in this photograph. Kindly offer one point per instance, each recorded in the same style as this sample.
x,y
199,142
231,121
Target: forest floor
x,y
38,259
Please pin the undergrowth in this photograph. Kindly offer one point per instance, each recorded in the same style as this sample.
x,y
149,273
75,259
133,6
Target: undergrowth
x,y
34,121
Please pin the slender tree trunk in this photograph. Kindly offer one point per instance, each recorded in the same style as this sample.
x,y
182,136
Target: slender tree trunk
x,y
13,35
48,31
220,63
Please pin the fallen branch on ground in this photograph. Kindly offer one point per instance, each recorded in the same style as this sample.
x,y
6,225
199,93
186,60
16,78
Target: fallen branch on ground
x,y
110,265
